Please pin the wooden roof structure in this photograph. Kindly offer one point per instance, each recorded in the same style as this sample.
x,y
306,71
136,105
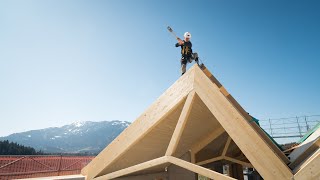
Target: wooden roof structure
x,y
195,115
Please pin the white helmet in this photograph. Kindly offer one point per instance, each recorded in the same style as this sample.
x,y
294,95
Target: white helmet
x,y
187,35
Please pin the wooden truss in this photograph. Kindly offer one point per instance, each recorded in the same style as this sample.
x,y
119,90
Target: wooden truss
x,y
195,115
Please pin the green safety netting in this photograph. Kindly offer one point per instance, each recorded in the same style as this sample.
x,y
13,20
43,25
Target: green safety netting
x,y
257,122
311,131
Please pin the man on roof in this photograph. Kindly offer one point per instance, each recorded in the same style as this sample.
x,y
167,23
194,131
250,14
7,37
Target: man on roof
x,y
186,51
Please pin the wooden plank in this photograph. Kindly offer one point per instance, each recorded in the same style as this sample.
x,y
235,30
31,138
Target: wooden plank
x,y
226,147
135,168
198,169
266,139
270,166
314,146
224,91
246,116
209,160
194,130
153,145
306,161
206,140
258,129
235,103
211,77
181,124
157,112
311,169
193,157
238,162
213,149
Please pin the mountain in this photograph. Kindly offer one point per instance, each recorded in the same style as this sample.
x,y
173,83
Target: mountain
x,y
79,137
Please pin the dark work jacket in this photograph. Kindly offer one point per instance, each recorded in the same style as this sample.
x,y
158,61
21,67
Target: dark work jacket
x,y
186,49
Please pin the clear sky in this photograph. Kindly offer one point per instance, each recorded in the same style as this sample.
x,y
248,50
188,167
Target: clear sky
x,y
67,61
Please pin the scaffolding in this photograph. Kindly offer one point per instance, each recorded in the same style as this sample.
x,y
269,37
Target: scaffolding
x,y
290,129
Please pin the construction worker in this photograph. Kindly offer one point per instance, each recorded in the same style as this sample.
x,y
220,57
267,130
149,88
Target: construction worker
x,y
186,51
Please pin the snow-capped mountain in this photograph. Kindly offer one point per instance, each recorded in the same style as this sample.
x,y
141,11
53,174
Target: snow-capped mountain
x,y
78,137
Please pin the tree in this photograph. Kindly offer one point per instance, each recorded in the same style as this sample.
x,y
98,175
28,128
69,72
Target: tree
x,y
12,148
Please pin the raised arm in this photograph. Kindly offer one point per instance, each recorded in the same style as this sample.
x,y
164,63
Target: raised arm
x,y
180,42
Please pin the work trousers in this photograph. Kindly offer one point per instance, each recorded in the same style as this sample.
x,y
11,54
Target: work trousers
x,y
184,61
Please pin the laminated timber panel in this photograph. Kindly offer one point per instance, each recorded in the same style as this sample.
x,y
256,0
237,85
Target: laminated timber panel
x,y
221,149
238,162
152,170
258,152
127,145
198,169
210,161
155,165
159,110
206,139
306,161
305,152
200,123
160,163
226,146
245,115
213,149
310,169
152,146
234,152
184,116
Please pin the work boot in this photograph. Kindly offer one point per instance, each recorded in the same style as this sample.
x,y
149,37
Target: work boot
x,y
197,60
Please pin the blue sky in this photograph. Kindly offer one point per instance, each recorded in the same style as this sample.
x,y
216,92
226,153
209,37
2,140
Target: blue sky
x,y
67,61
